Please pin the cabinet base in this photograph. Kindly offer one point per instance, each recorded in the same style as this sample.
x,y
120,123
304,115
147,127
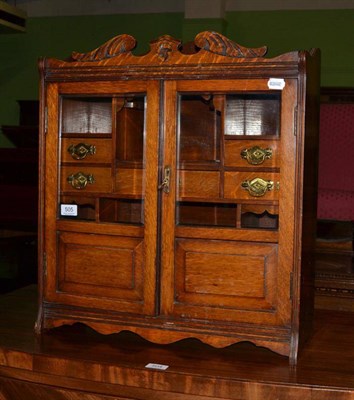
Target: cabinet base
x,y
162,330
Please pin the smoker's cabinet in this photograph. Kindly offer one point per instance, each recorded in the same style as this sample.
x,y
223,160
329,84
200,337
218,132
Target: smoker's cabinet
x,y
177,192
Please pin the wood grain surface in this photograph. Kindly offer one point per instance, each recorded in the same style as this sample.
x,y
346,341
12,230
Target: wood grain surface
x,y
77,363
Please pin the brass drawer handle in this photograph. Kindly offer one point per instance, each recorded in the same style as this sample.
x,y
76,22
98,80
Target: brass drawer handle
x,y
256,155
258,187
81,150
80,180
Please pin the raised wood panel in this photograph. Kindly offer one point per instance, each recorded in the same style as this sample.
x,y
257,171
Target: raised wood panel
x,y
100,266
103,150
222,274
218,279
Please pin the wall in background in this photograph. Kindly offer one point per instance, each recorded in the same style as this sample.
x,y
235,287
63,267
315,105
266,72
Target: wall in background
x,y
58,37
330,30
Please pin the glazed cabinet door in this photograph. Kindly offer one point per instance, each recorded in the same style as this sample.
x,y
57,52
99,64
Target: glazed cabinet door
x,y
227,221
100,213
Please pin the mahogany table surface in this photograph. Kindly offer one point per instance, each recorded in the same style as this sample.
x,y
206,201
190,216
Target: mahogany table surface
x,y
75,362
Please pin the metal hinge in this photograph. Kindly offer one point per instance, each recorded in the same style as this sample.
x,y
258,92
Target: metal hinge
x,y
295,120
46,119
45,264
291,290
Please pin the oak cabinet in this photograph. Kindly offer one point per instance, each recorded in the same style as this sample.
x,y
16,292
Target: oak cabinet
x,y
177,192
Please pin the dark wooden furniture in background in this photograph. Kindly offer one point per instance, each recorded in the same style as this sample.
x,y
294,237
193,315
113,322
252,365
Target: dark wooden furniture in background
x,y
178,192
76,363
335,233
19,200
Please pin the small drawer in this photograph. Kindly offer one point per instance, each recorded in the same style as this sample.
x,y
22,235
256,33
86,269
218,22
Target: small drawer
x,y
129,181
251,185
251,153
87,179
86,150
199,184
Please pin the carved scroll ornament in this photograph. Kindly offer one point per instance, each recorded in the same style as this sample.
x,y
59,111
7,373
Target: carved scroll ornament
x,y
115,46
166,45
216,43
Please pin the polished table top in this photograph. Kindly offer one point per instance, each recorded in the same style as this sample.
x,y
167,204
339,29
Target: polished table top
x,y
325,367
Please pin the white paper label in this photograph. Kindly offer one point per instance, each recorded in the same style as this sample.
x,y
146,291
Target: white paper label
x,y
68,210
276,83
160,367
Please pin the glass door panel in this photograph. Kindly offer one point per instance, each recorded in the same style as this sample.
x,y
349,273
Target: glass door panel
x,y
102,158
227,155
222,256
100,238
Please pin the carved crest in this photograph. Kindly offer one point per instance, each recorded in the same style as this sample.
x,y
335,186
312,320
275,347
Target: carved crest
x,y
164,46
219,44
117,45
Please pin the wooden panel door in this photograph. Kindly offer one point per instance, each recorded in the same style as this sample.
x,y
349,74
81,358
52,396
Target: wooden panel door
x,y
101,195
231,147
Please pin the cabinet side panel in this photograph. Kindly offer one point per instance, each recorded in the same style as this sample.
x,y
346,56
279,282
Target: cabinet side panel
x,y
309,221
51,179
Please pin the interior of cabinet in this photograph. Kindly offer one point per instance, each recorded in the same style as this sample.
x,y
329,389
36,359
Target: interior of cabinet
x,y
214,129
209,125
199,130
259,216
86,207
124,211
90,128
130,117
206,214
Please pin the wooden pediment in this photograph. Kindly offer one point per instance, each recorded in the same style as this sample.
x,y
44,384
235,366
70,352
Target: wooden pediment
x,y
166,46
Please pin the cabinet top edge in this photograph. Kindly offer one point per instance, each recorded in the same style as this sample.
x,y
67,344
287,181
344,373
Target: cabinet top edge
x,y
208,49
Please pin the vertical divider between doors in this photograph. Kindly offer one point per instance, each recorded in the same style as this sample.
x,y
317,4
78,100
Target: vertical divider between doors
x,y
167,220
159,198
151,198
